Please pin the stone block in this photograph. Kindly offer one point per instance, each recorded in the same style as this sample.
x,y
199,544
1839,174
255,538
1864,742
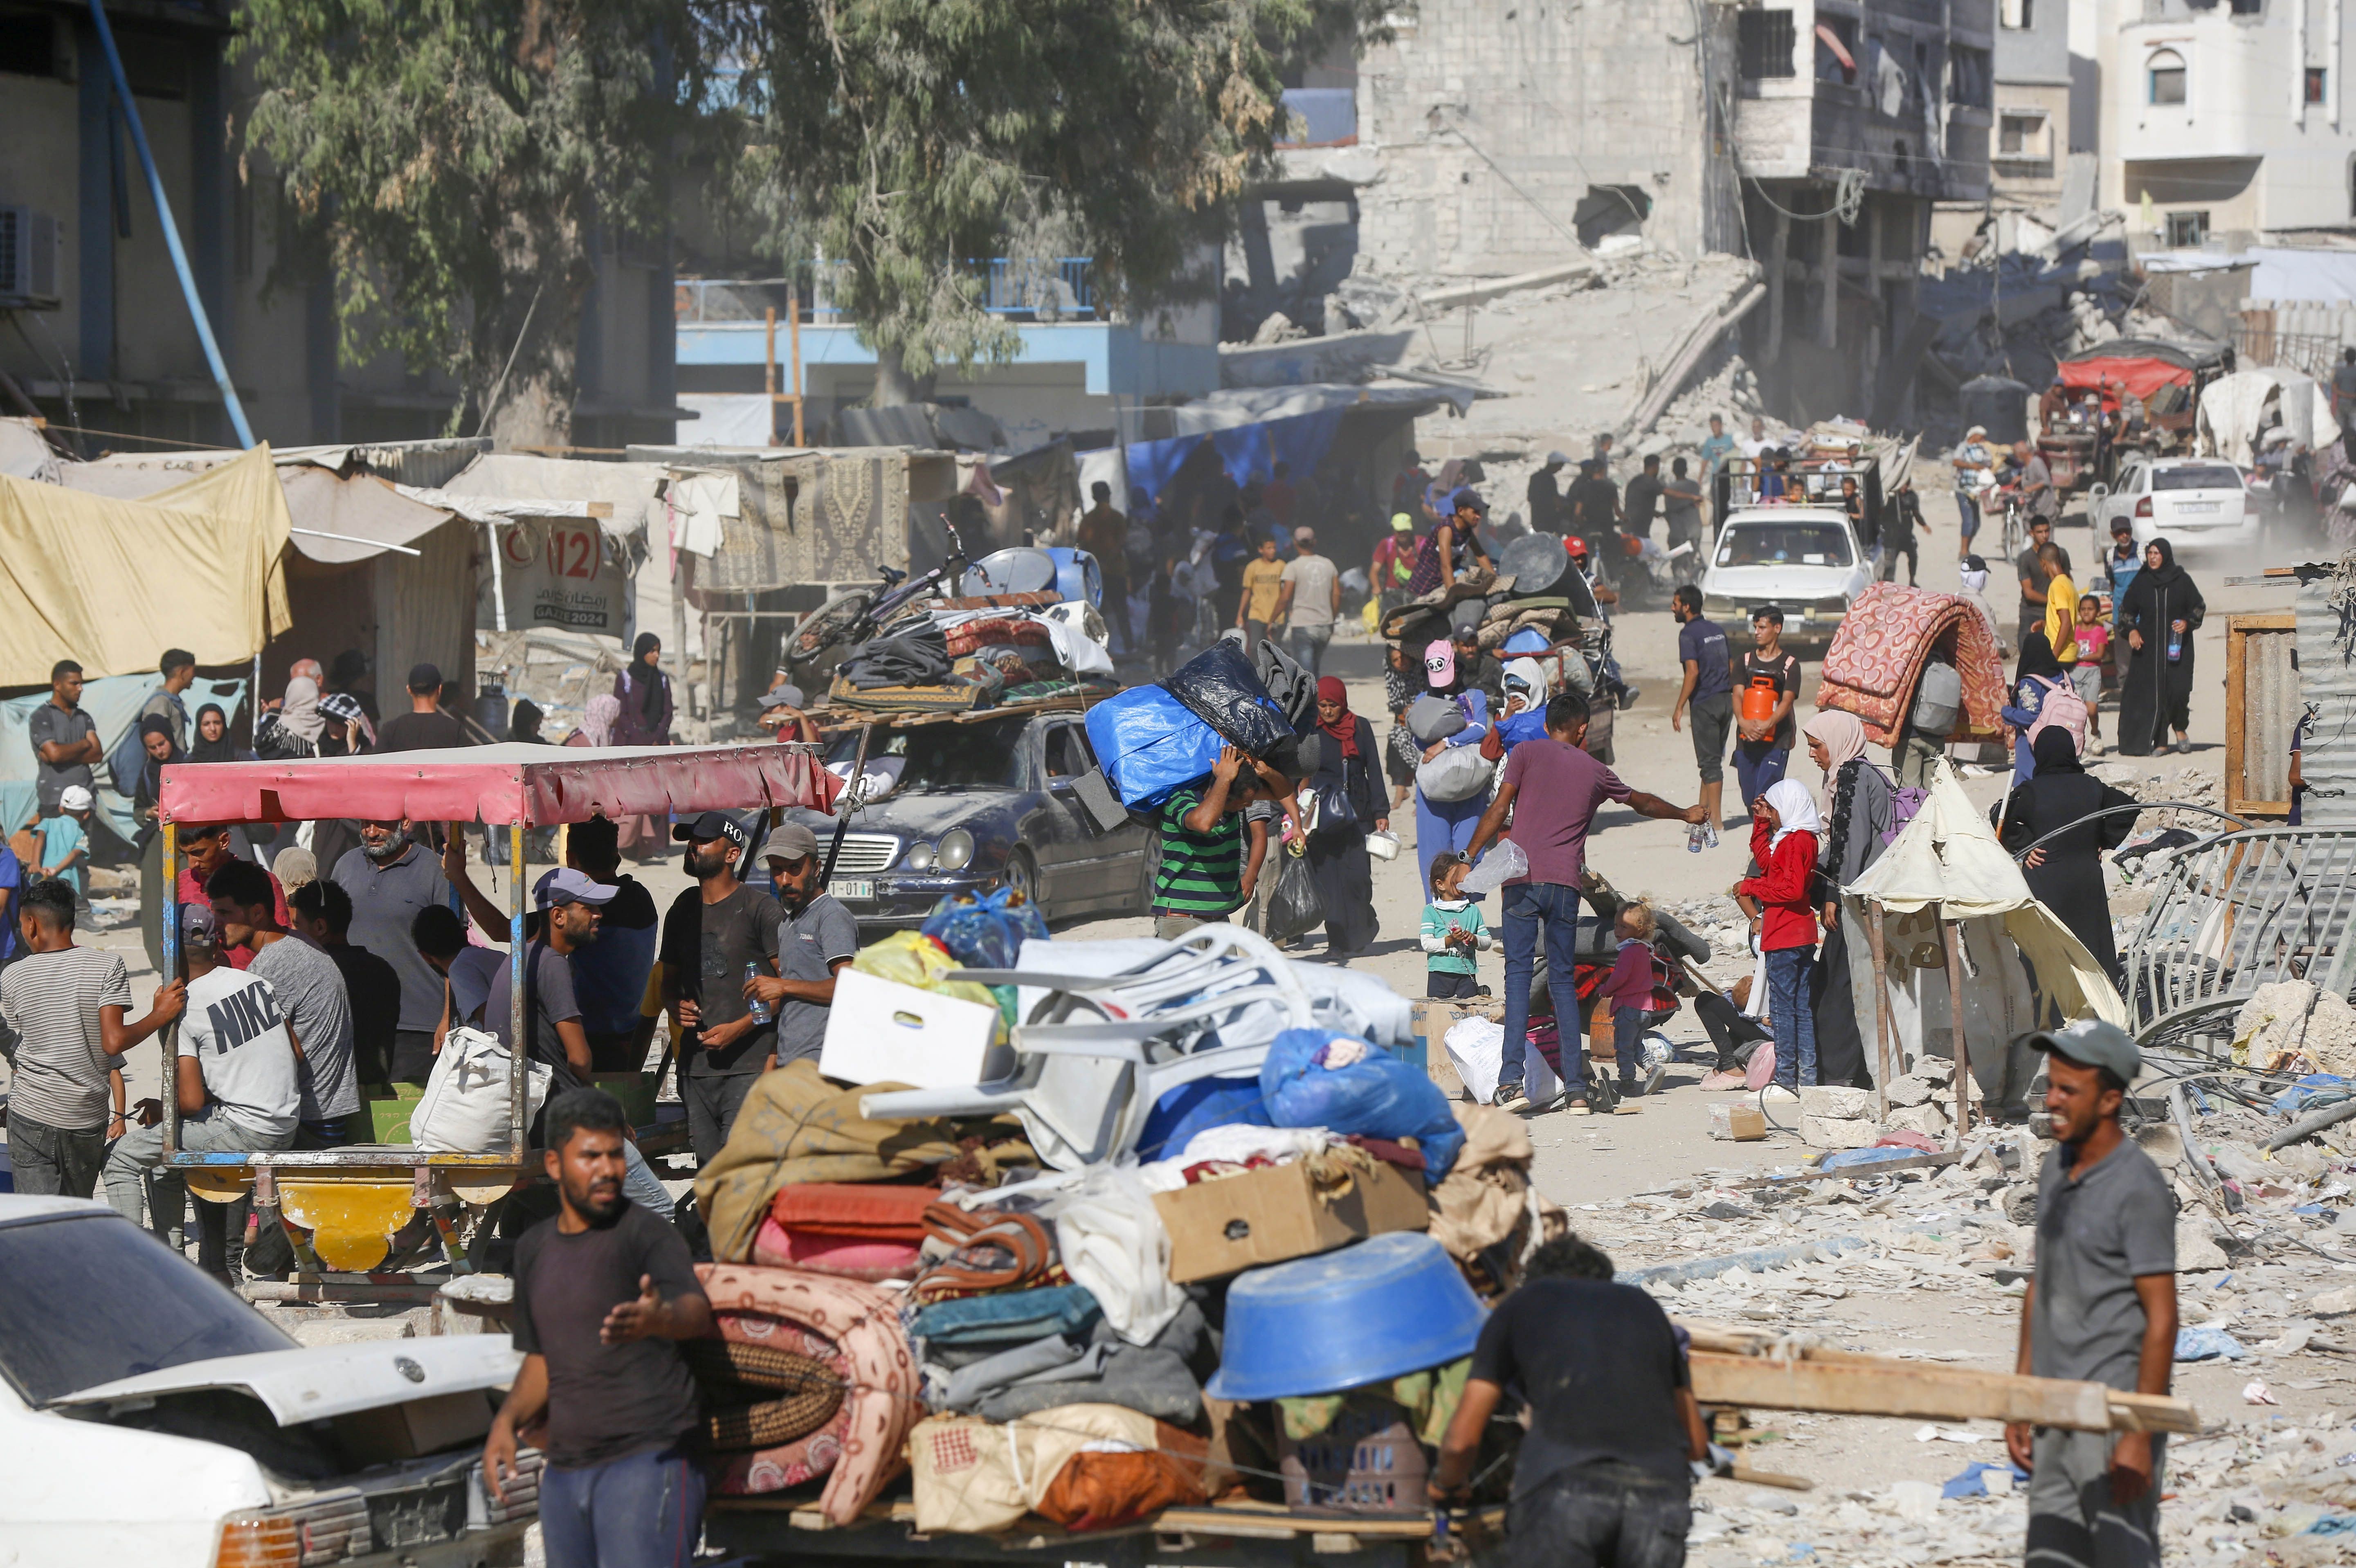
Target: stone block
x,y
2196,1250
1838,1132
1909,1090
1824,1100
1931,1121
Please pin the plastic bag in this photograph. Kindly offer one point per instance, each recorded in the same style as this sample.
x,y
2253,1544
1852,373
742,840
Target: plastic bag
x,y
1293,907
1505,861
985,931
1459,773
913,958
1378,1096
1220,687
1432,719
1196,1107
1149,746
465,1107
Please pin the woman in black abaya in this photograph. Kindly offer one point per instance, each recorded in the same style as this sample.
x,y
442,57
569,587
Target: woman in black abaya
x,y
2161,604
2066,872
1348,788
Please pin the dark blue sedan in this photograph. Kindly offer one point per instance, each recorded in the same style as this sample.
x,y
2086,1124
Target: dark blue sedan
x,y
980,805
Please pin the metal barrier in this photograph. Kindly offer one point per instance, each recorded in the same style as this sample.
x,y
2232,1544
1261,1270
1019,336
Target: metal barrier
x,y
2233,913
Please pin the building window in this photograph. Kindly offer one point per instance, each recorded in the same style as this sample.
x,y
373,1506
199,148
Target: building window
x,y
2166,74
1968,81
2249,7
2315,78
1765,41
2020,135
2016,15
2187,230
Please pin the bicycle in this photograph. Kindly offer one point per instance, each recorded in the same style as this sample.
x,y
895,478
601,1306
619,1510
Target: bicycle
x,y
851,618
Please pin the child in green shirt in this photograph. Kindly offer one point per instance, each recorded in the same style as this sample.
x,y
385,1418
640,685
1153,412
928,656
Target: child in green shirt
x,y
1452,931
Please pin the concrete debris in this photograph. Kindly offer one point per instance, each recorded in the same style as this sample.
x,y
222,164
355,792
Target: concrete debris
x,y
1277,327
2293,1025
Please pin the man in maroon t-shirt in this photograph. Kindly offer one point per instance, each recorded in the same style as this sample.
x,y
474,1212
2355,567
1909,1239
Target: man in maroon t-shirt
x,y
1554,788
204,850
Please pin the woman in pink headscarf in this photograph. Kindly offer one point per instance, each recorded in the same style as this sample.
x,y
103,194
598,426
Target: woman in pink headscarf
x,y
1859,814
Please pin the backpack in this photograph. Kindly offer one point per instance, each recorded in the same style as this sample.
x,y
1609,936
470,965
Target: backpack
x,y
1903,804
2061,706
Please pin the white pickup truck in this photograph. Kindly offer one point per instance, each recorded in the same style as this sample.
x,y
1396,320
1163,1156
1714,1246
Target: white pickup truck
x,y
149,1418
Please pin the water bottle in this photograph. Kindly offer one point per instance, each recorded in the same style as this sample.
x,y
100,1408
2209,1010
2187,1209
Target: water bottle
x,y
757,1007
2175,645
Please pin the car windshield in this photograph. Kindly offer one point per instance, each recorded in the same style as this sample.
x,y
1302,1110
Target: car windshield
x,y
87,1300
2200,476
943,756
1786,544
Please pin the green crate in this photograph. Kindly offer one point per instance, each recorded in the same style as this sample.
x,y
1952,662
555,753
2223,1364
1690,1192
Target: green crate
x,y
636,1091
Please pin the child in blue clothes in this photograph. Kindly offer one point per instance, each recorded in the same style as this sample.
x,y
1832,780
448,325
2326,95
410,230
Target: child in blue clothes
x,y
1452,932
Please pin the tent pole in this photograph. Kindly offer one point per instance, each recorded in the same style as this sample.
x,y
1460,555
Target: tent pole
x,y
1953,932
1881,1006
171,1094
518,1048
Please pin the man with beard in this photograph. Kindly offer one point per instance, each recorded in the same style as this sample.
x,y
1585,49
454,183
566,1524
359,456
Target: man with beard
x,y
570,906
718,934
389,878
817,940
603,1290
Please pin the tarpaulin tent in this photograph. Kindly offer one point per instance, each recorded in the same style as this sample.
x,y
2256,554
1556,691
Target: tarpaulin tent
x,y
1245,451
112,704
1947,875
112,582
2108,373
2236,409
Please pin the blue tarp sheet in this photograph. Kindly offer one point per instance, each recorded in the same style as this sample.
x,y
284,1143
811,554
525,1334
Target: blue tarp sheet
x,y
1245,451
112,704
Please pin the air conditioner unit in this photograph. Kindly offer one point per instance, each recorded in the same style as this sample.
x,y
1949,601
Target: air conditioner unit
x,y
30,252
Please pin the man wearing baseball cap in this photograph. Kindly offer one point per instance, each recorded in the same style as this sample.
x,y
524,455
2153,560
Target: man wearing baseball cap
x,y
815,938
570,905
718,934
426,727
2102,1308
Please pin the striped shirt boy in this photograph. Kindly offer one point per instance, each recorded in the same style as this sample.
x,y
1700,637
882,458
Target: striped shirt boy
x,y
1201,874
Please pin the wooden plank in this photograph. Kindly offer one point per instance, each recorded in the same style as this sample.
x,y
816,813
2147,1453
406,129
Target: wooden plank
x,y
1278,1524
1916,1392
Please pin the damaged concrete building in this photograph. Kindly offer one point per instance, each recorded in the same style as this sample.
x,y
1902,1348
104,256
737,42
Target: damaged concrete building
x,y
1499,137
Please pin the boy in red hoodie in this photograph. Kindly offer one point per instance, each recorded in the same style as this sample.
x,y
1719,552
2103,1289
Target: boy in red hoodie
x,y
1783,823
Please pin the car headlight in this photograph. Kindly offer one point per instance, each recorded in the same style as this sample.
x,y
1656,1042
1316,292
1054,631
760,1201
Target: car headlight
x,y
1833,606
956,850
920,857
1717,607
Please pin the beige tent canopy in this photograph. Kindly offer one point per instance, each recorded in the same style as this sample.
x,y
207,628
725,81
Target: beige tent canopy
x,y
1946,872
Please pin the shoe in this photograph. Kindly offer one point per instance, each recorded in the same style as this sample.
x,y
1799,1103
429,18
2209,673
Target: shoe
x,y
1693,840
1630,1090
1628,695
2183,748
1577,1107
1510,1097
1709,836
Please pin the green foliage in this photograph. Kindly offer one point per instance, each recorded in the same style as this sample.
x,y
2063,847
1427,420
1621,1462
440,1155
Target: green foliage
x,y
902,136
454,157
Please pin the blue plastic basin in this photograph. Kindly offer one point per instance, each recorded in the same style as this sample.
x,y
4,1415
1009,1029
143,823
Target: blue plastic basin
x,y
1391,1305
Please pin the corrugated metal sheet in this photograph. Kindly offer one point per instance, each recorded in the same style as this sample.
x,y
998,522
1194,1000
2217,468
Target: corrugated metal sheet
x,y
2326,688
2270,710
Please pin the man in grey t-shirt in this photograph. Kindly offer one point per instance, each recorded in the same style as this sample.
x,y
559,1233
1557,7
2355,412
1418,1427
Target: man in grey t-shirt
x,y
2102,1308
816,937
64,740
311,997
1309,600
389,878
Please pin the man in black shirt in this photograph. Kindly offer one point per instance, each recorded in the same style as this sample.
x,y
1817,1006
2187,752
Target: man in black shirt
x,y
1643,501
323,917
602,1289
424,727
1764,745
1603,1474
1545,496
1594,503
719,934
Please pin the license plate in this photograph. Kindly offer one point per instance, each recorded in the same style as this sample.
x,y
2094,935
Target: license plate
x,y
860,892
2197,506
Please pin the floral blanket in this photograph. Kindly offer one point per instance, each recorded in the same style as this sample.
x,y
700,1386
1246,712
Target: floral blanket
x,y
1877,656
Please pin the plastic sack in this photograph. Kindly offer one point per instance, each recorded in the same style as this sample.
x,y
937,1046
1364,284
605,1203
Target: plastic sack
x,y
1220,687
1293,907
1378,1096
985,931
1503,863
1459,773
464,1108
913,958
1432,719
1196,1107
1476,1047
1149,746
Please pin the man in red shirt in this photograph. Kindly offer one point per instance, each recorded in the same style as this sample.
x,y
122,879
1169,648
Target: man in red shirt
x,y
1560,788
205,849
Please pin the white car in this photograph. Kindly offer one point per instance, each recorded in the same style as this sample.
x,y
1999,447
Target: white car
x,y
150,1418
2198,502
1802,560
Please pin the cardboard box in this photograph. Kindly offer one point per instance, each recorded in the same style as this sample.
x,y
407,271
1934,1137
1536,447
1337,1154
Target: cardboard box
x,y
1267,1216
420,1427
880,1031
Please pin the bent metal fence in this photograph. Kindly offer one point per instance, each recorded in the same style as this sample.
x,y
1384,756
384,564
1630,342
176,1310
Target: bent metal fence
x,y
2232,914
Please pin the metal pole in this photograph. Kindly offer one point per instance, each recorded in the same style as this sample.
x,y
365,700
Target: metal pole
x,y
842,822
171,1095
1880,1005
794,330
1953,930
518,1047
769,368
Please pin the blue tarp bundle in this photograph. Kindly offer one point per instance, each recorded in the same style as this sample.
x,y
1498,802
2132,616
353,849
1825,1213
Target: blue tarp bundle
x,y
1245,451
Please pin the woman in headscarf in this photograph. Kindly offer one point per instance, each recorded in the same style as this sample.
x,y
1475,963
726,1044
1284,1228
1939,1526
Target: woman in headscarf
x,y
2066,872
524,721
294,730
643,690
161,750
1347,787
213,743
1445,825
2040,675
1860,814
596,723
1781,901
2161,611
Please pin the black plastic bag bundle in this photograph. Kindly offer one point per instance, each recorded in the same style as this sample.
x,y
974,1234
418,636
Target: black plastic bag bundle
x,y
1219,687
1293,906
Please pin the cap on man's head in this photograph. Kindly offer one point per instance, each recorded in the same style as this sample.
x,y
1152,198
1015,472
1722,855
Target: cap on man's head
x,y
198,926
566,886
1557,459
76,797
1304,536
786,696
1468,499
424,677
789,841
711,825
1975,432
1401,523
2092,1042
2122,525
